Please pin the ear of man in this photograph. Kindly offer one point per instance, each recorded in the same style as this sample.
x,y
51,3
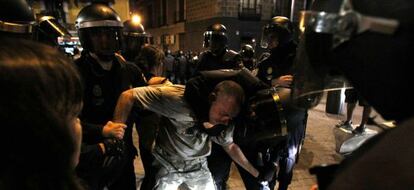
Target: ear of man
x,y
212,97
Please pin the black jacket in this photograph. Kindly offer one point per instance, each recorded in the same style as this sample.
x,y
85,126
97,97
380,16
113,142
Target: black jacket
x,y
278,63
101,91
229,59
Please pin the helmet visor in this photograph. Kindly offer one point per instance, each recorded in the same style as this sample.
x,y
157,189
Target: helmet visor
x,y
50,29
104,40
269,38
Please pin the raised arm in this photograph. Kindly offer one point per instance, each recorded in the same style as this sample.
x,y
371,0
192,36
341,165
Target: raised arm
x,y
124,106
234,151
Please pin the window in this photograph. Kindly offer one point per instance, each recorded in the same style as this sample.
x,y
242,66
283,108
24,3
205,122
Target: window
x,y
249,4
163,15
150,20
250,9
180,11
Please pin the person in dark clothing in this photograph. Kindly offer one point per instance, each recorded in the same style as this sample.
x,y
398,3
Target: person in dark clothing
x,y
247,54
181,62
169,65
276,70
107,152
218,56
277,37
351,98
135,38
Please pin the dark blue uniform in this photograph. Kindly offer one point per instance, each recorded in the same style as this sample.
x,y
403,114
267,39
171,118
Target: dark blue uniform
x,y
101,91
277,64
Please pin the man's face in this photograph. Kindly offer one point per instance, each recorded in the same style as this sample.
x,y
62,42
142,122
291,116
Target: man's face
x,y
104,41
223,109
217,43
273,41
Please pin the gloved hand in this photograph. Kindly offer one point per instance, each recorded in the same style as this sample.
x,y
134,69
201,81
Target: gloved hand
x,y
267,172
114,146
114,152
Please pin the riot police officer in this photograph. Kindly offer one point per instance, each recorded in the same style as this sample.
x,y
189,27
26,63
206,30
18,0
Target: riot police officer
x,y
17,20
275,70
247,55
218,56
277,37
108,153
371,45
49,30
135,37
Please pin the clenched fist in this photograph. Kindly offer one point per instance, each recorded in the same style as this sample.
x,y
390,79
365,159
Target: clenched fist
x,y
112,129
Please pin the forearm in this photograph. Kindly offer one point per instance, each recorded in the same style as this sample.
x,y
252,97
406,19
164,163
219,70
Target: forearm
x,y
124,106
233,150
91,133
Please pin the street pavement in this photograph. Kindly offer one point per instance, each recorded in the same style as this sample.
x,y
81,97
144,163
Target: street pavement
x,y
318,149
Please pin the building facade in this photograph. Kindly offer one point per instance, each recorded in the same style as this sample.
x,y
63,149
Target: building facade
x,y
180,24
66,11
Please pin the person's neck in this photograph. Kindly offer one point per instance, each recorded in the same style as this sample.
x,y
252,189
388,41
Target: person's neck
x,y
105,64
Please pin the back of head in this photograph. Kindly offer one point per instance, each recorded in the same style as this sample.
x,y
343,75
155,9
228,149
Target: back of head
x,y
230,88
16,19
150,59
41,92
99,28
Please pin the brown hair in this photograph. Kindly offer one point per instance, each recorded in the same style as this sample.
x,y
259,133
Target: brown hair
x,y
41,91
230,88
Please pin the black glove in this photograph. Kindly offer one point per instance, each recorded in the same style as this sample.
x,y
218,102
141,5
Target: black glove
x,y
267,172
114,152
114,146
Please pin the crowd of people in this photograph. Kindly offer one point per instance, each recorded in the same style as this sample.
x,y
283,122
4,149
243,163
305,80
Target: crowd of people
x,y
197,113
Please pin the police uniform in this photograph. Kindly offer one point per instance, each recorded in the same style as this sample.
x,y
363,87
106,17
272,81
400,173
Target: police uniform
x,y
229,59
101,91
275,65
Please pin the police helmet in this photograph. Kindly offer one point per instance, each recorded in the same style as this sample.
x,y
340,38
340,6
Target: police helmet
x,y
99,28
217,34
16,18
49,29
132,28
134,38
247,51
280,27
